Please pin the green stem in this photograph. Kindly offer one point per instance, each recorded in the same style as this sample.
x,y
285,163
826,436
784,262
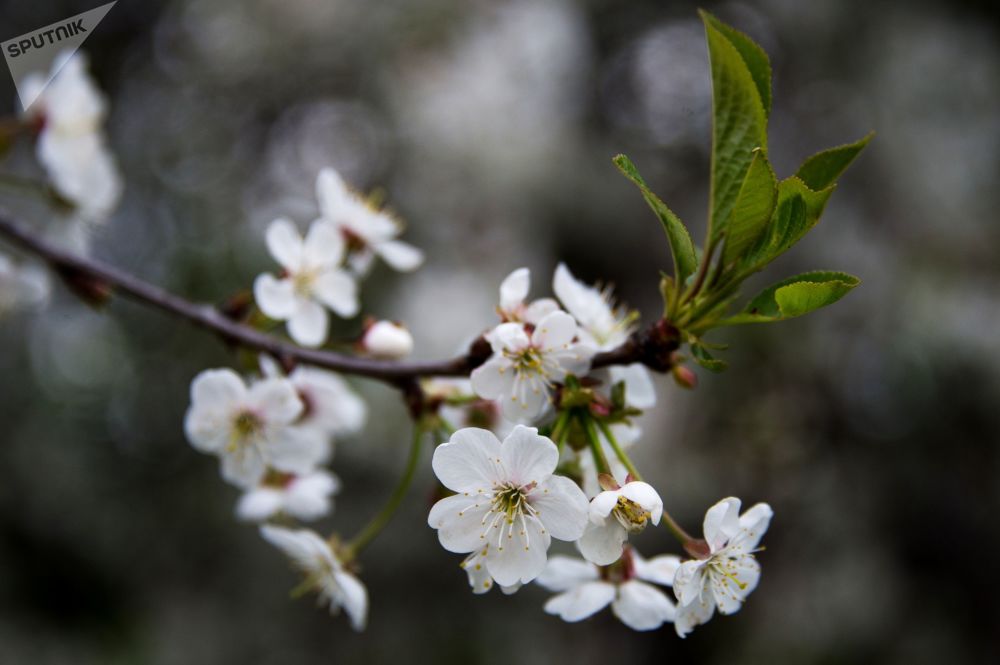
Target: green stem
x,y
680,534
600,461
560,429
360,541
622,457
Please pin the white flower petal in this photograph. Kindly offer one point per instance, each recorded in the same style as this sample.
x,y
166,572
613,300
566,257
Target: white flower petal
x,y
602,505
516,554
582,601
323,246
641,606
722,522
332,194
285,243
275,401
493,379
259,504
514,289
308,323
693,615
689,582
354,598
244,467
459,521
602,544
526,457
217,389
337,290
294,450
647,497
469,461
753,524
561,506
275,297
639,390
563,573
539,309
400,255
555,331
660,569
731,591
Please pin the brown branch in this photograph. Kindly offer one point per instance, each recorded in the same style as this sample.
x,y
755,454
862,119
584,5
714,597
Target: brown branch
x,y
652,347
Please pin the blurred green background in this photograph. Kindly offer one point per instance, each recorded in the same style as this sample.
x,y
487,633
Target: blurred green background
x,y
871,427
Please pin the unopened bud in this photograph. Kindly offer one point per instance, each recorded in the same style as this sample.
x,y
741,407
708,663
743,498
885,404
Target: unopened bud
x,y
684,377
385,339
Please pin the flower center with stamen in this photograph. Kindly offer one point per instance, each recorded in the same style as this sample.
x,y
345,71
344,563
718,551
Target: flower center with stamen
x,y
246,426
509,512
528,359
302,282
631,515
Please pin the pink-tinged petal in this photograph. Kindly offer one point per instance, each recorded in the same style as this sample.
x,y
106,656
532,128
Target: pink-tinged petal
x,y
275,401
692,615
514,289
469,461
337,290
332,194
308,323
641,606
753,525
323,246
689,582
602,505
722,523
400,255
285,244
275,297
459,520
660,569
563,573
539,309
639,390
561,506
295,450
731,590
555,331
647,497
493,379
528,457
602,544
509,337
517,552
581,602
353,597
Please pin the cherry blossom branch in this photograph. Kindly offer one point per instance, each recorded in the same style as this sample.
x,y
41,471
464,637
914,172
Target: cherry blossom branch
x,y
93,278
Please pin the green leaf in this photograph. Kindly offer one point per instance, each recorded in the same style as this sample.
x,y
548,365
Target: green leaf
x,y
681,246
793,297
753,55
752,209
797,210
822,169
739,119
706,360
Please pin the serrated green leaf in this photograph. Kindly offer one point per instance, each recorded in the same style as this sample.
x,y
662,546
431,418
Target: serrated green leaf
x,y
681,247
797,210
822,169
753,55
739,120
752,209
794,296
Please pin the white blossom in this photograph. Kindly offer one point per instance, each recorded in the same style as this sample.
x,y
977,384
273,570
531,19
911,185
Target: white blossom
x,y
525,367
513,293
24,285
729,572
585,589
71,145
604,327
249,428
368,231
480,581
614,514
331,407
312,280
323,571
507,498
305,497
386,339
